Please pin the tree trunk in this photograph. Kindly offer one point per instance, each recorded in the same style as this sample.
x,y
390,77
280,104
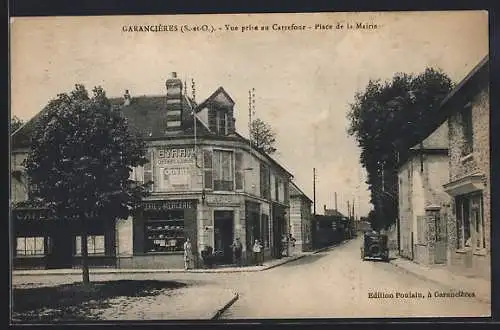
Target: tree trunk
x,y
85,264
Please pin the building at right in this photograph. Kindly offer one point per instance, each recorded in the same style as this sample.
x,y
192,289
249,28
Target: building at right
x,y
453,219
469,216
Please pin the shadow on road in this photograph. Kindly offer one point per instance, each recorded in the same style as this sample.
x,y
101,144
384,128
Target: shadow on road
x,y
305,260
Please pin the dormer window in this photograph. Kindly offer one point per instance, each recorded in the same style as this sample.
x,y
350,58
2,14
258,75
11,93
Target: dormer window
x,y
222,122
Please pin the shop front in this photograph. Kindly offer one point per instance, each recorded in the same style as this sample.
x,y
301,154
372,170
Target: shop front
x,y
279,228
41,240
159,233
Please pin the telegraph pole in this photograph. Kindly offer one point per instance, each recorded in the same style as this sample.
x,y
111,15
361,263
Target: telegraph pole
x,y
314,190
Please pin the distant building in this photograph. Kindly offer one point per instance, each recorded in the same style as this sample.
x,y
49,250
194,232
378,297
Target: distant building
x,y
332,212
300,218
212,189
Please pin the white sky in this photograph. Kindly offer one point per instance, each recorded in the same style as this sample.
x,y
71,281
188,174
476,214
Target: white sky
x,y
304,80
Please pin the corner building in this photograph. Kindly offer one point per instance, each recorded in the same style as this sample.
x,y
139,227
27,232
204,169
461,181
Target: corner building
x,y
209,184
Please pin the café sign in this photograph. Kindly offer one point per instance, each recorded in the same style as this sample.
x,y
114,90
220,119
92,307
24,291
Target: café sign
x,y
34,214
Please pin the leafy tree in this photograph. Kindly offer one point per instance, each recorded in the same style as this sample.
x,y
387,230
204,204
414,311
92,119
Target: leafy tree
x,y
15,123
80,161
262,136
387,119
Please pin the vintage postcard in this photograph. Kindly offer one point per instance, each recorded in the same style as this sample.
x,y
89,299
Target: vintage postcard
x,y
250,166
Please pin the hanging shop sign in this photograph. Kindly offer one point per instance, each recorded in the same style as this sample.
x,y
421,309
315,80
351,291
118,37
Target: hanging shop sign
x,y
169,205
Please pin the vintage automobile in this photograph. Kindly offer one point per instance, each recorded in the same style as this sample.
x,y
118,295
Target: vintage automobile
x,y
374,246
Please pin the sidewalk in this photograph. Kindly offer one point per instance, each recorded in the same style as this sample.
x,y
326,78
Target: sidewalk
x,y
77,271
191,303
442,276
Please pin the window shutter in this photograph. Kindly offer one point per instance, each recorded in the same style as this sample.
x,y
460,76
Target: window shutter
x,y
207,168
238,164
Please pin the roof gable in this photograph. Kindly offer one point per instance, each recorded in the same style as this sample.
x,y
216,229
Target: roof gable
x,y
295,191
219,97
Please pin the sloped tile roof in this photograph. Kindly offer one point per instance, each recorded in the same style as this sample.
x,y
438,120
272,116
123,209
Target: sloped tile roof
x,y
145,115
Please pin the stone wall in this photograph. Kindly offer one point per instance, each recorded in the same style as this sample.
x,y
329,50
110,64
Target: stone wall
x,y
478,162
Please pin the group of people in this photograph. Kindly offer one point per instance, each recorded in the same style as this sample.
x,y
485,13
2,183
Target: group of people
x,y
237,247
256,249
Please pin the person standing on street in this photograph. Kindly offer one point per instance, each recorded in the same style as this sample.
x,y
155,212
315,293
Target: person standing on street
x,y
237,250
257,252
284,246
188,254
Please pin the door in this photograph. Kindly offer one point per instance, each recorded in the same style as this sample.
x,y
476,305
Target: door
x,y
61,251
440,245
223,235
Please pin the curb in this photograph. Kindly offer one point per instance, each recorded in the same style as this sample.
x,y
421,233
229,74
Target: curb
x,y
285,262
161,271
178,271
224,308
425,278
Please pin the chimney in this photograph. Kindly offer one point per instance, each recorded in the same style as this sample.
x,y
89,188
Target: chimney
x,y
174,102
126,98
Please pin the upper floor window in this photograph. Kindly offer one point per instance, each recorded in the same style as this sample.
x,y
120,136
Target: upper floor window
x,y
223,170
222,122
265,181
219,121
467,130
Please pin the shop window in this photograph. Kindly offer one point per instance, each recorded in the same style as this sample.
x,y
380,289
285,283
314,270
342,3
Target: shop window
x,y
470,221
207,168
223,170
467,130
164,231
30,246
95,245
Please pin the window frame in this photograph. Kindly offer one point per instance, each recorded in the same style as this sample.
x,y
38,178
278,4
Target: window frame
x,y
91,245
221,151
165,220
476,225
34,252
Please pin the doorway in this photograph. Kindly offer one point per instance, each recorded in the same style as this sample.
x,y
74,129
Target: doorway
x,y
441,233
61,251
223,236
